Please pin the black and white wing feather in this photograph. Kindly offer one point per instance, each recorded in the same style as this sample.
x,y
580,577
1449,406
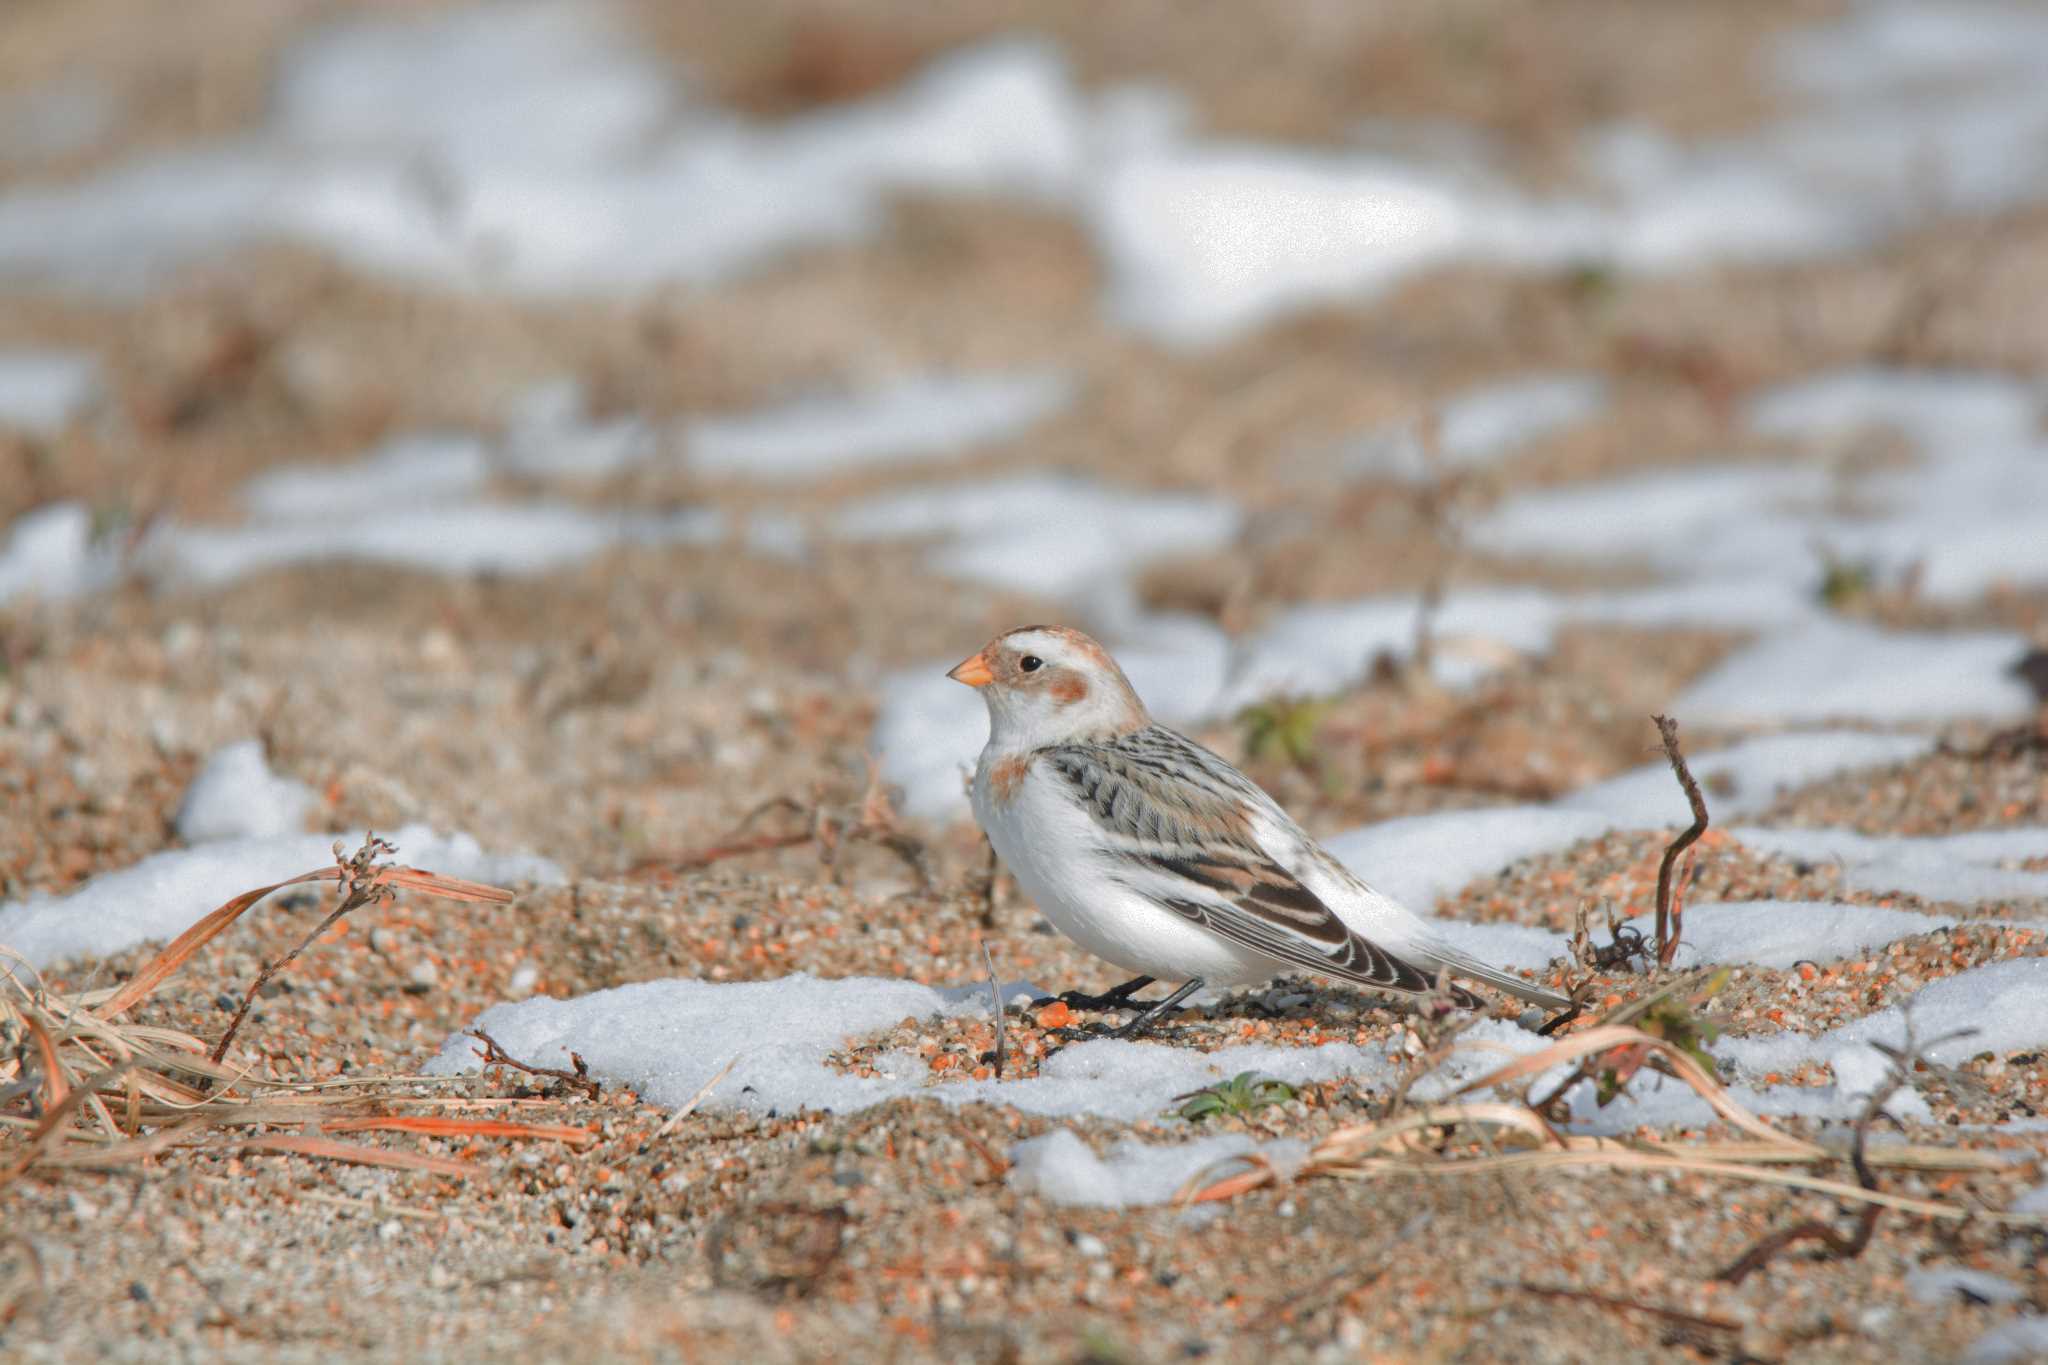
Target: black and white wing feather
x,y
1183,828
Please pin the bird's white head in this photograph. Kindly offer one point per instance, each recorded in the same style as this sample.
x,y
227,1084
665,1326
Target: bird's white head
x,y
1051,685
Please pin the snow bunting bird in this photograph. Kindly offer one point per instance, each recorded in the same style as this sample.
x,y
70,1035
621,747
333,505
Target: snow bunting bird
x,y
1155,854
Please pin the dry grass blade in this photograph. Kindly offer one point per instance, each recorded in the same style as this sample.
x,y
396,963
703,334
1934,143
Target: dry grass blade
x,y
1411,1144
160,968
79,1053
703,1092
437,1127
360,1156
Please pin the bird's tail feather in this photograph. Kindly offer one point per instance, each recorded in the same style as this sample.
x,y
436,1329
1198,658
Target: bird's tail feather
x,y
1460,964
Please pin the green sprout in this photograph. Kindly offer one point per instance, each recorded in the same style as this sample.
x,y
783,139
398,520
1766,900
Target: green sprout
x,y
1283,728
1243,1093
1845,581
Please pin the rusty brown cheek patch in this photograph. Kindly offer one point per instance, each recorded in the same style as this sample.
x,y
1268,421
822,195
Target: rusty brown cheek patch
x,y
1006,776
1068,690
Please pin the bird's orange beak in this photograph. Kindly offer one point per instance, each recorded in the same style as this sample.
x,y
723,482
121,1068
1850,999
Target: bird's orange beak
x,y
975,672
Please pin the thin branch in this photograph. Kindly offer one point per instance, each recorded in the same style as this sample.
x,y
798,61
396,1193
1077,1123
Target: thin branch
x,y
360,886
1689,1329
1838,1246
995,1002
1670,910
495,1055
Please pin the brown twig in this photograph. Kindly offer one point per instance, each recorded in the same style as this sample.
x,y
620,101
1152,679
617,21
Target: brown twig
x,y
360,886
759,843
995,1001
1838,1246
495,1055
1688,1329
1670,912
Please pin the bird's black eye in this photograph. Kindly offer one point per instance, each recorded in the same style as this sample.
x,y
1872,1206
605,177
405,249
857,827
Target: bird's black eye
x,y
1030,663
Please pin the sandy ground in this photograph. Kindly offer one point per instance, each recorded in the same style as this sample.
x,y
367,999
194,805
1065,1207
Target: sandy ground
x,y
621,716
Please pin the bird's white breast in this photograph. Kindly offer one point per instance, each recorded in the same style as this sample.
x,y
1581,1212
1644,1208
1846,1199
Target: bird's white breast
x,y
1060,858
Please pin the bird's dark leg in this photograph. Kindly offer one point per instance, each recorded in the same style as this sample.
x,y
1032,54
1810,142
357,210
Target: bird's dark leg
x,y
1151,1016
1115,998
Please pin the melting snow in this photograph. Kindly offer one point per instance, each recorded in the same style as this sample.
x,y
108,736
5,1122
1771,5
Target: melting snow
x,y
453,538
1781,933
1744,778
161,896
41,391
1062,1169
50,553
236,796
529,147
921,418
1954,867
1044,533
667,1038
1829,669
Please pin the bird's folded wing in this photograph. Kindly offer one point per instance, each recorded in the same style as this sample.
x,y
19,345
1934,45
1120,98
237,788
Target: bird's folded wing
x,y
1178,826
1263,906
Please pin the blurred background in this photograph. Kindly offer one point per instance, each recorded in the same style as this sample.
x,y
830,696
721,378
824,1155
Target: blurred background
x,y
635,405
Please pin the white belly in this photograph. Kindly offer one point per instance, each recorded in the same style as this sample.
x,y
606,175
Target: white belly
x,y
1051,847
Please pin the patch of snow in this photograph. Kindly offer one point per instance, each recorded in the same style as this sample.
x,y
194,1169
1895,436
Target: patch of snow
x,y
1961,521
1732,602
1781,933
1509,946
777,535
1936,408
164,894
1483,426
456,538
1973,866
2004,1004
1060,1168
925,417
1939,1286
408,471
1735,518
1830,670
50,554
667,1038
1744,778
2024,1338
236,796
929,732
1207,240
1420,859
1323,648
1043,533
530,147
549,432
41,391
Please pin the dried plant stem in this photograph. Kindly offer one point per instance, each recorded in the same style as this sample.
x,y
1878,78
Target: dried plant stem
x,y
1690,1329
495,1055
703,1093
1670,911
1846,1248
995,1002
360,887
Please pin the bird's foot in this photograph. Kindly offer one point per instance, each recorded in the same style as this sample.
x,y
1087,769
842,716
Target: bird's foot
x,y
1116,998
